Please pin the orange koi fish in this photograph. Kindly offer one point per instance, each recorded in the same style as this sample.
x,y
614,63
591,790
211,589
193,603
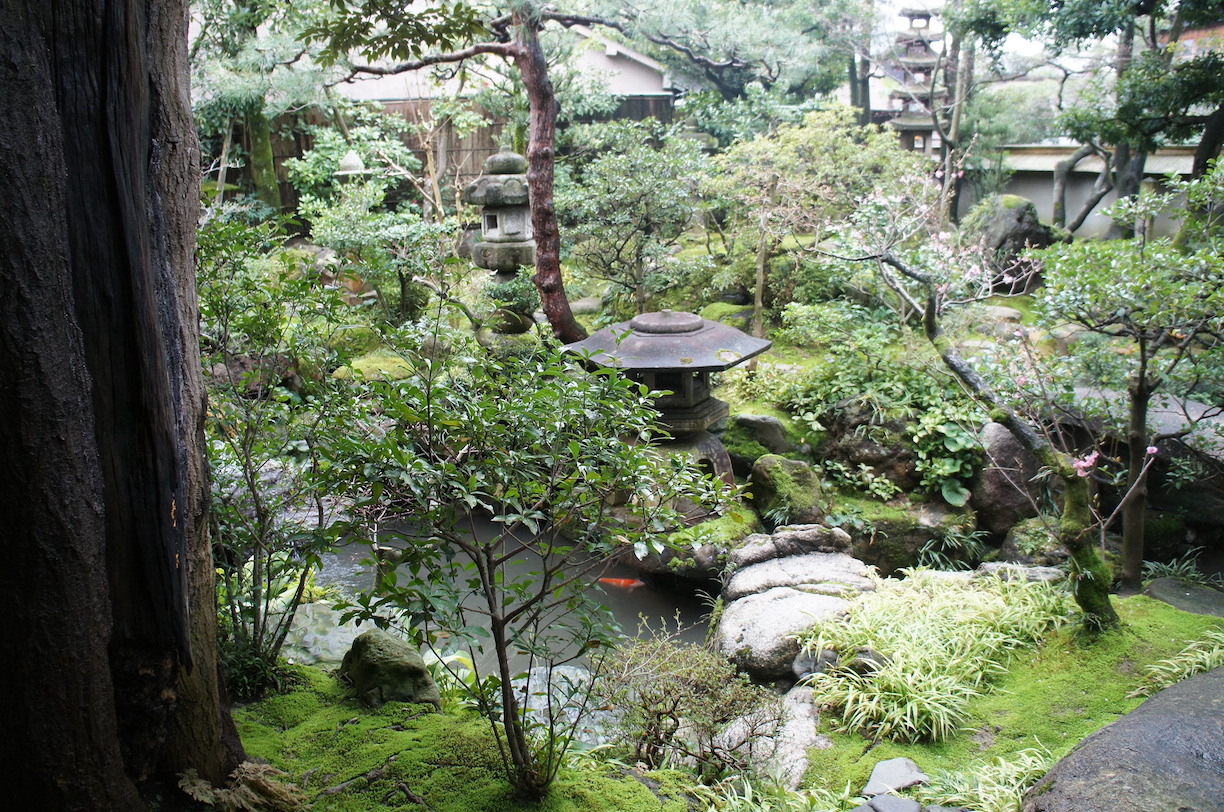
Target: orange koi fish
x,y
623,583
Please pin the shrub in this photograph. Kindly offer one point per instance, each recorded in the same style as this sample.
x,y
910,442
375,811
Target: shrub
x,y
678,701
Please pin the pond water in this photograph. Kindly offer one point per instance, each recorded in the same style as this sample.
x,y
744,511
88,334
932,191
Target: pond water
x,y
663,604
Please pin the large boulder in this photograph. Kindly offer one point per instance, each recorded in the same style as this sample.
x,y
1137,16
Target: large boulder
x,y
751,436
1196,598
894,533
757,632
857,435
1003,226
1004,491
1166,754
781,751
786,491
383,668
818,573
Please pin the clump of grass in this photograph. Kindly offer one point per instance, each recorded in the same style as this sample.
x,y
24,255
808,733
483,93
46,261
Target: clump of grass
x,y
1199,656
1184,568
941,640
742,794
998,786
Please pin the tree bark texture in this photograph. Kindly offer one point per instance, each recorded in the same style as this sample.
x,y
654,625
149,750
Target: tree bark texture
x,y
541,150
101,403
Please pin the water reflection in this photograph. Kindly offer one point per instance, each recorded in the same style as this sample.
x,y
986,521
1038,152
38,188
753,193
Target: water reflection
x,y
666,605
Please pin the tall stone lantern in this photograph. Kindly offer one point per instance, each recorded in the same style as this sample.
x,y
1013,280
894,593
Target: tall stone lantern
x,y
505,215
676,352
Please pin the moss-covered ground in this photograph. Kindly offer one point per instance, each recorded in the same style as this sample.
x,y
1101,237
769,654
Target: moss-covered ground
x,y
1051,698
349,758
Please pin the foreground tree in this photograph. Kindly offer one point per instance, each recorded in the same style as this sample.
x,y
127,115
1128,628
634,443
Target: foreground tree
x,y
109,575
499,478
1165,306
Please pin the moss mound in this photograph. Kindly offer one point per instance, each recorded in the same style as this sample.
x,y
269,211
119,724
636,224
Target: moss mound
x,y
403,757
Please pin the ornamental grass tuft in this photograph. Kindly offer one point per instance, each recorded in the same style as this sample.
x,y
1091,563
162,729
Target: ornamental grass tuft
x,y
937,641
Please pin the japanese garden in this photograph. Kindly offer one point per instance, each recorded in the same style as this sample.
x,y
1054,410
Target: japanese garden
x,y
692,406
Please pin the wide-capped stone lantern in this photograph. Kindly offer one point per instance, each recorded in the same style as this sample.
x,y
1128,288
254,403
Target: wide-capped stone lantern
x,y
676,352
505,215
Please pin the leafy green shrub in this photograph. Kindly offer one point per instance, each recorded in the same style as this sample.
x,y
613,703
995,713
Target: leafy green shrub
x,y
941,640
527,446
676,698
948,452
266,320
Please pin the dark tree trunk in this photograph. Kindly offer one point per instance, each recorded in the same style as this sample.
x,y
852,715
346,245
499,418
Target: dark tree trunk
x,y
100,408
1209,144
541,149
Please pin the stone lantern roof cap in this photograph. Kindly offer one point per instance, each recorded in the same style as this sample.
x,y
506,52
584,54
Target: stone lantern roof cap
x,y
505,162
670,340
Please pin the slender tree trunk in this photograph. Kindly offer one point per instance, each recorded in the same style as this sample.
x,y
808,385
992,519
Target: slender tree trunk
x,y
263,162
541,149
108,577
1135,509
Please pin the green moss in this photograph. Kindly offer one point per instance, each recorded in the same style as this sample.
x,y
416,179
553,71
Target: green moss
x,y
1052,697
352,759
354,339
377,366
1014,201
725,312
740,443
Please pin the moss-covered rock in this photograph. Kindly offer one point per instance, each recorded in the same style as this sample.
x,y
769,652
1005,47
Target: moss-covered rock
x,y
379,365
786,491
384,668
891,534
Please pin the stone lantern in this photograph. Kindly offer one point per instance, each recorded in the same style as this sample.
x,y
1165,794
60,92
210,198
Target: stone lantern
x,y
677,351
505,216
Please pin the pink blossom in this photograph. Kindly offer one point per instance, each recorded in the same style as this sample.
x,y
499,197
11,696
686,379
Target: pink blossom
x,y
1083,467
1152,450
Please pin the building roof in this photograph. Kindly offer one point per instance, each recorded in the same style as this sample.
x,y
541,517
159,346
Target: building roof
x,y
1044,158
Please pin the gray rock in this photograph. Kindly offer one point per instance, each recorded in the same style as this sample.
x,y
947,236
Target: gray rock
x,y
756,632
1003,491
1167,754
806,664
781,752
897,539
384,668
894,774
1033,542
891,803
1201,600
790,540
824,573
1012,572
1004,226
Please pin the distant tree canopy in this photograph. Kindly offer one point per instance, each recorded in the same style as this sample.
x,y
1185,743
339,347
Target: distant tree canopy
x,y
1159,92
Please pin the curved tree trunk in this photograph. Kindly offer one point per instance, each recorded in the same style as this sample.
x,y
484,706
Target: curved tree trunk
x,y
541,150
103,491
